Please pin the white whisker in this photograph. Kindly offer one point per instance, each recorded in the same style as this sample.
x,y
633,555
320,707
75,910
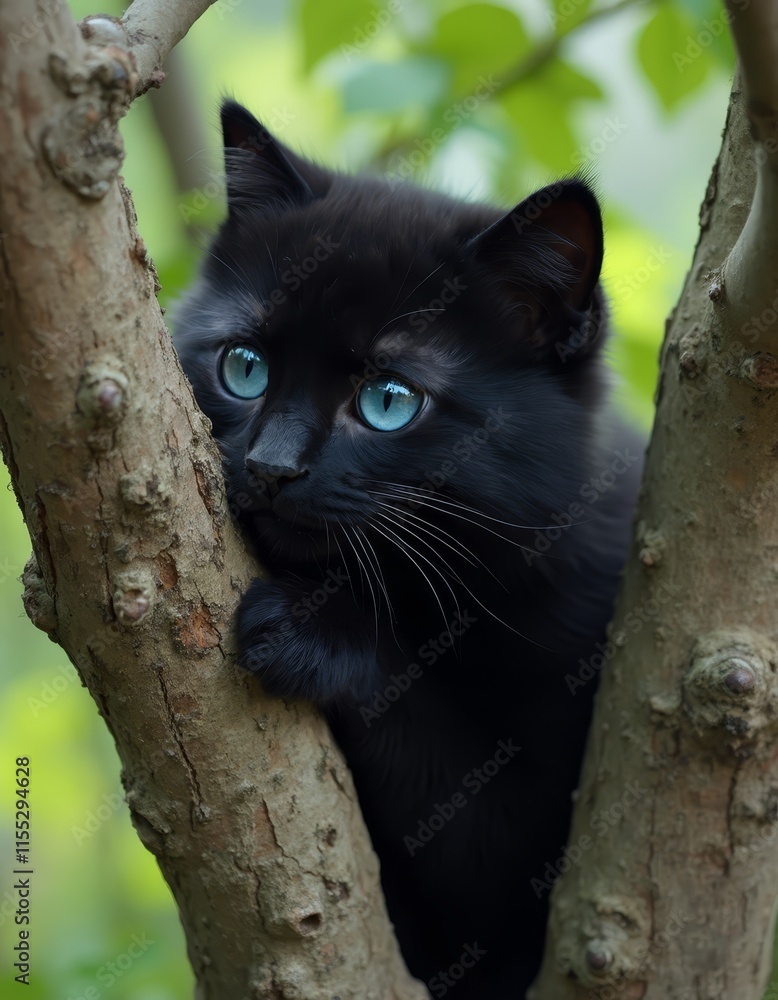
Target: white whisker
x,y
416,491
453,513
403,546
363,571
457,578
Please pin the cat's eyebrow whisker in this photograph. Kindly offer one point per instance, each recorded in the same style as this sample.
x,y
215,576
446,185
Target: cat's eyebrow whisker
x,y
242,278
270,256
414,258
413,312
426,278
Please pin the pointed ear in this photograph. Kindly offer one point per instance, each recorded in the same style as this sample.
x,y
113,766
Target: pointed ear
x,y
260,170
550,245
545,258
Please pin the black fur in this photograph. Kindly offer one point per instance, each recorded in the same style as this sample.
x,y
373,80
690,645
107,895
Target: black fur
x,y
423,591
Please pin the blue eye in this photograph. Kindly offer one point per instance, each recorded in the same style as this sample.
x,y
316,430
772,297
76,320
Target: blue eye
x,y
388,403
244,372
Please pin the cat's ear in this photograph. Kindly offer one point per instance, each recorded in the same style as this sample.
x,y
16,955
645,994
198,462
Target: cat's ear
x,y
546,256
261,171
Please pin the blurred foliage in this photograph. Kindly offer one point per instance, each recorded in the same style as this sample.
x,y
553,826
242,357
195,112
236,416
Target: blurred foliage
x,y
481,99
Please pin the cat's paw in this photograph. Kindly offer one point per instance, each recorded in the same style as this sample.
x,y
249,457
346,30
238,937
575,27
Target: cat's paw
x,y
299,650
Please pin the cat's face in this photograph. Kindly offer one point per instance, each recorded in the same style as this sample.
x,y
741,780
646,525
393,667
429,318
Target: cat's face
x,y
361,348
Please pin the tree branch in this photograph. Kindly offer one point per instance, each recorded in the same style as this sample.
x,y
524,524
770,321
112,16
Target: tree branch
x,y
671,882
179,122
149,30
547,49
245,802
750,273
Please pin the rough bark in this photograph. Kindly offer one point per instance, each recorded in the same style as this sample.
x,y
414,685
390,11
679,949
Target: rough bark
x,y
244,800
671,871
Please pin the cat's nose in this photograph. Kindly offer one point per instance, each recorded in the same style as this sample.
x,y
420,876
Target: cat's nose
x,y
273,478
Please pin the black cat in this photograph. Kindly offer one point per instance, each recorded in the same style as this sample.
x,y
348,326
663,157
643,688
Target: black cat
x,y
408,392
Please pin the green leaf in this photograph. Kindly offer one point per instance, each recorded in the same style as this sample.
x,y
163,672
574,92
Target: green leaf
x,y
565,14
542,124
568,84
541,111
675,54
479,39
391,87
351,23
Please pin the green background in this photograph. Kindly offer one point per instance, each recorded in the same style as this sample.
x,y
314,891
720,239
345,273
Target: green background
x,y
636,98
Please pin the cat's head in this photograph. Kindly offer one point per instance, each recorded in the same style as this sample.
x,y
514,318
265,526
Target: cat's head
x,y
358,344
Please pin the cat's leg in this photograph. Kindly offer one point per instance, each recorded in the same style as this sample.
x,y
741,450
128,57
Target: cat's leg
x,y
308,639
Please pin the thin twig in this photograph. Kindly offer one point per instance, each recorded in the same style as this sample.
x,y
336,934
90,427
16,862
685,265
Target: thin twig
x,y
546,50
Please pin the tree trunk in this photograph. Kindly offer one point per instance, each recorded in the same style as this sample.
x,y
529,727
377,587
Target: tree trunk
x,y
670,872
244,800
